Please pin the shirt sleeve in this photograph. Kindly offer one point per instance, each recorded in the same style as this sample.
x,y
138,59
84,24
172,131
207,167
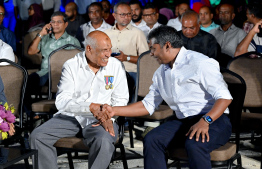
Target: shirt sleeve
x,y
212,80
153,98
7,53
142,45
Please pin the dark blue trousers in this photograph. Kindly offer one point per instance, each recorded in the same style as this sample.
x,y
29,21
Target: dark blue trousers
x,y
172,133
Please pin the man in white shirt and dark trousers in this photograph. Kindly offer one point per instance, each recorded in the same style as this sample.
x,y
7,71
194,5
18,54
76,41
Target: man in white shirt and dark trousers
x,y
192,85
88,80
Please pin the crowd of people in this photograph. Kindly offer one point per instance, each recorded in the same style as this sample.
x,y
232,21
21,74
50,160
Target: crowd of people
x,y
190,45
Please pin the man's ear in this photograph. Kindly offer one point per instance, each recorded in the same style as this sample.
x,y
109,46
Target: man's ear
x,y
88,48
167,46
114,15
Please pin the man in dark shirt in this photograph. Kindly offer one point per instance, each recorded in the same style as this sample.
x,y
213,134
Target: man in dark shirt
x,y
5,34
195,39
74,20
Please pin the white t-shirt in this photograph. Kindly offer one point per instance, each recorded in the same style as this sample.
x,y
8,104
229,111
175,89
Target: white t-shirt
x,y
6,52
175,23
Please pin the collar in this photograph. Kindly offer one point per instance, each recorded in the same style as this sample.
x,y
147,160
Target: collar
x,y
142,23
103,25
64,36
211,25
128,27
231,27
83,62
155,26
181,58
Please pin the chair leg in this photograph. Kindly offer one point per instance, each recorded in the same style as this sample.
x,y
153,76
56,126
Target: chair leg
x,y
131,127
70,160
237,157
26,163
123,154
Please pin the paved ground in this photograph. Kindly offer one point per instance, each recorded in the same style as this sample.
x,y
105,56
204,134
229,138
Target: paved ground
x,y
250,157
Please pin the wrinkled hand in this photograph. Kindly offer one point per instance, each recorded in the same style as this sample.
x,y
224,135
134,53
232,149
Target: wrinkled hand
x,y
108,126
12,129
99,113
122,57
201,127
109,110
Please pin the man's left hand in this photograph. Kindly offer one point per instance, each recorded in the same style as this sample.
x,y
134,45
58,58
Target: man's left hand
x,y
122,57
100,115
201,127
108,126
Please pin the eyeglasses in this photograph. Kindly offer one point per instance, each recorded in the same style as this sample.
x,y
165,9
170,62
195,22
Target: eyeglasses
x,y
122,15
149,15
58,22
2,14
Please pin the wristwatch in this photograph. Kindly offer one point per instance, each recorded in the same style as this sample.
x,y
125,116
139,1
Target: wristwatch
x,y
128,58
208,119
40,36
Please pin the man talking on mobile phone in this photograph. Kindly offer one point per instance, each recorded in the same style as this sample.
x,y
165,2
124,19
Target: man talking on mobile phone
x,y
50,38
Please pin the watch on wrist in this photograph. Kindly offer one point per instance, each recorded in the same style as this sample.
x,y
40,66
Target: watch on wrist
x,y
40,36
128,58
208,119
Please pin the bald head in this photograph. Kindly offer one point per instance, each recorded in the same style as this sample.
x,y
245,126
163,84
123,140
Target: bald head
x,y
226,14
71,11
93,38
121,5
190,15
190,24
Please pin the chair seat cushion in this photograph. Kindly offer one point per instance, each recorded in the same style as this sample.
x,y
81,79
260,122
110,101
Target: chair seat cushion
x,y
223,153
72,143
163,112
44,106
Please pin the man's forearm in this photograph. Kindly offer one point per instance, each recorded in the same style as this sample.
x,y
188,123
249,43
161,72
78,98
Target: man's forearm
x,y
132,110
218,108
242,47
33,46
133,59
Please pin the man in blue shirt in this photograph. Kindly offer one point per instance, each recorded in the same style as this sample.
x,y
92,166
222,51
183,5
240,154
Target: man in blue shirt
x,y
5,34
192,85
206,17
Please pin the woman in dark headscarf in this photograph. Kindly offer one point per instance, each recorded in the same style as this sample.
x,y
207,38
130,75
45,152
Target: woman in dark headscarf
x,y
35,20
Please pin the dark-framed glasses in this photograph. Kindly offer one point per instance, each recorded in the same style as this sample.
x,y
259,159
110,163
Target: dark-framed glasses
x,y
122,15
149,15
58,22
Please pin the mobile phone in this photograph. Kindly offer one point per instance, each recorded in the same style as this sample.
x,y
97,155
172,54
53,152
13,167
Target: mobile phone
x,y
260,31
115,54
50,30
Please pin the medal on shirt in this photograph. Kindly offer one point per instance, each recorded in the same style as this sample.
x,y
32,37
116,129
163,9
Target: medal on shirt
x,y
107,80
111,80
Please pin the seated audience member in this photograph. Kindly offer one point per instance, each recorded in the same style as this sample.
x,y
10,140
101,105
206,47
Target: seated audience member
x,y
150,16
95,13
168,13
3,100
128,41
5,34
36,19
176,23
85,74
74,20
49,7
196,39
206,16
45,42
200,129
6,52
227,35
108,17
253,40
137,12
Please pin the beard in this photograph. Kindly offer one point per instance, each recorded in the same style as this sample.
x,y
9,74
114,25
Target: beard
x,y
70,17
138,18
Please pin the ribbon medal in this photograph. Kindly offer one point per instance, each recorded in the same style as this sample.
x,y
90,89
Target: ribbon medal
x,y
111,80
106,81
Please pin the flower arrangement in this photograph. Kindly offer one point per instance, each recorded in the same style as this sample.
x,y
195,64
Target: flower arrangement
x,y
6,118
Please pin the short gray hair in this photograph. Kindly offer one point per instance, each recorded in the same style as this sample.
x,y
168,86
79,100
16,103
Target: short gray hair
x,y
118,4
191,13
90,41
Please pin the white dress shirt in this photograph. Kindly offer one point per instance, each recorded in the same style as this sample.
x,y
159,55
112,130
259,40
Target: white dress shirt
x,y
190,88
175,23
88,27
79,86
147,29
6,52
140,26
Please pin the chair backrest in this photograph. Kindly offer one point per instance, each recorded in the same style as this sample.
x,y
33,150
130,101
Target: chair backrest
x,y
30,61
14,79
250,70
237,88
146,67
56,61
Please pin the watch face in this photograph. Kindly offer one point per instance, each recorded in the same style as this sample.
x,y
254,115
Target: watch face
x,y
209,119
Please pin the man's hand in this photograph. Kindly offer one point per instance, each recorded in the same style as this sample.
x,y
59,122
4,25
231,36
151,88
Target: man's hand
x,y
108,126
12,129
256,27
98,112
108,109
201,127
44,30
122,57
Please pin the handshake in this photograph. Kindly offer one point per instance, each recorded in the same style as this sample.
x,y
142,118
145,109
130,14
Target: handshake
x,y
103,114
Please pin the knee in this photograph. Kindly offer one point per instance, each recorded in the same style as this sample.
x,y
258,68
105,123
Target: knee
x,y
151,138
192,146
104,143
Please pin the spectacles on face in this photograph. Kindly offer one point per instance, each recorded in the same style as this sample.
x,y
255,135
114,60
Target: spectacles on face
x,y
149,15
122,15
2,14
58,22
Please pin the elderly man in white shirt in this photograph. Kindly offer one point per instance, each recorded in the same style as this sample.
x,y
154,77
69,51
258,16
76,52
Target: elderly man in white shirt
x,y
192,85
176,23
6,52
88,80
95,13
